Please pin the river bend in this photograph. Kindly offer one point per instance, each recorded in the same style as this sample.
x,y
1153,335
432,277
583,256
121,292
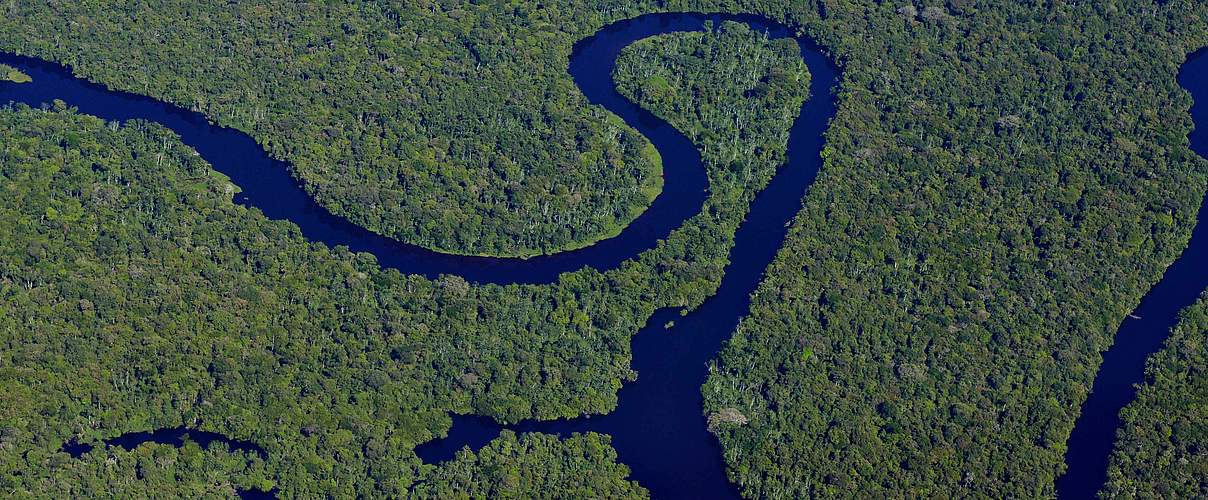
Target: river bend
x,y
658,428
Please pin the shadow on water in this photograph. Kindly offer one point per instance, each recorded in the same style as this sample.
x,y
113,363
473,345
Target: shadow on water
x,y
174,436
1144,332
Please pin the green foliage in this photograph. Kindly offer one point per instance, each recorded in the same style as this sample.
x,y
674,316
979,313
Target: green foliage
x,y
1162,445
158,471
996,195
732,91
1002,182
11,74
452,126
137,296
533,466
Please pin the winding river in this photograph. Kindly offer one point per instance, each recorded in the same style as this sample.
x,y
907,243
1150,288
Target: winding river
x,y
658,428
267,184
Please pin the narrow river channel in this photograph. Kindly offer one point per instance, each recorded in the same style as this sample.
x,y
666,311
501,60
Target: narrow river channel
x,y
658,428
1144,331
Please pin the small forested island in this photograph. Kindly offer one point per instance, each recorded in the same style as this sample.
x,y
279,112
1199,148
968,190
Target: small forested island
x,y
14,75
1001,185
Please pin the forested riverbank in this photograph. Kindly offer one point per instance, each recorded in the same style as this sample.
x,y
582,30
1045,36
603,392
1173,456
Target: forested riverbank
x,y
137,297
734,92
452,127
1003,181
935,319
218,318
1161,447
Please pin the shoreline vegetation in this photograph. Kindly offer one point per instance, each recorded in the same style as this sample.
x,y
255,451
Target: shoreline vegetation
x,y
996,196
649,190
181,308
983,223
454,128
1161,447
14,75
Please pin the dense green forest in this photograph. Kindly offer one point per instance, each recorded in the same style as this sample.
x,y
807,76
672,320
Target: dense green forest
x,y
452,126
730,90
151,471
1003,182
137,296
534,466
1162,444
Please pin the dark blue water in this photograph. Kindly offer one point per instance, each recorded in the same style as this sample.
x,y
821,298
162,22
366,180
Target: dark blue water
x,y
658,428
174,436
267,183
1090,444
